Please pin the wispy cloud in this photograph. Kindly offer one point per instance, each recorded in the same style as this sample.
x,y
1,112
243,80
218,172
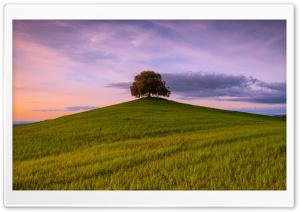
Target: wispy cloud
x,y
124,85
45,110
15,123
70,61
71,108
76,108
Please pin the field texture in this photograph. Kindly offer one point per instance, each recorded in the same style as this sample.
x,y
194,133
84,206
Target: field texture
x,y
151,144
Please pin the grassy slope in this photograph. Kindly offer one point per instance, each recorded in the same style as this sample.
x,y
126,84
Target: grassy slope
x,y
151,144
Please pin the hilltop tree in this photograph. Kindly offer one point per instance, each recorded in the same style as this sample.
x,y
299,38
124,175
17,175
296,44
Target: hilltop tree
x,y
149,83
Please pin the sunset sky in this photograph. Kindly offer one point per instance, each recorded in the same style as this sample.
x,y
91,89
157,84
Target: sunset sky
x,y
65,67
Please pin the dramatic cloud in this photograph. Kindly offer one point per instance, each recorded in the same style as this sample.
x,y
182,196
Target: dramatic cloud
x,y
226,87
208,85
279,86
58,63
221,87
273,97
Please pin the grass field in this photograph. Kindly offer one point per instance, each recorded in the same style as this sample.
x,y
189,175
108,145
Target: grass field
x,y
151,144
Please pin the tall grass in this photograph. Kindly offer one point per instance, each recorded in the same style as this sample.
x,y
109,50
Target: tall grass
x,y
151,144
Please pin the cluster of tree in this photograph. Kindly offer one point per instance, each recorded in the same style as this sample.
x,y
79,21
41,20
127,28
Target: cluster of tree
x,y
147,84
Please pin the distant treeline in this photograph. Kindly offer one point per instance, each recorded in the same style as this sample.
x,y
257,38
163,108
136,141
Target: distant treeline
x,y
281,115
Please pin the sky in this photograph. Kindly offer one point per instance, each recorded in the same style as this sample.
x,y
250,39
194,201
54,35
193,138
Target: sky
x,y
62,67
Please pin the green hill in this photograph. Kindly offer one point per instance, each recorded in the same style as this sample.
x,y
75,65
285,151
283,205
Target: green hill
x,y
151,144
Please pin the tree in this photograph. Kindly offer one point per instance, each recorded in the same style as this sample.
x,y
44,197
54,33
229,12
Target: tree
x,y
149,83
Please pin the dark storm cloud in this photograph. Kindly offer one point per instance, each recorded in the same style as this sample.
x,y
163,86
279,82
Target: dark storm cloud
x,y
264,97
208,85
226,87
279,86
221,87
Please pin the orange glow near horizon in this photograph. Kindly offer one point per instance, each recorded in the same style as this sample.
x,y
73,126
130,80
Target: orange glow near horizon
x,y
66,67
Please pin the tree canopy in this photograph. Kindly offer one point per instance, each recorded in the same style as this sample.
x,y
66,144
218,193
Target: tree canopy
x,y
147,84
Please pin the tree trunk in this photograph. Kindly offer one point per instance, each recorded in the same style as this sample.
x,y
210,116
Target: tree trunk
x,y
149,96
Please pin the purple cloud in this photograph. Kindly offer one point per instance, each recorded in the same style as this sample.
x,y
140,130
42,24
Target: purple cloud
x,y
226,87
220,87
110,47
45,110
84,60
71,108
278,86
